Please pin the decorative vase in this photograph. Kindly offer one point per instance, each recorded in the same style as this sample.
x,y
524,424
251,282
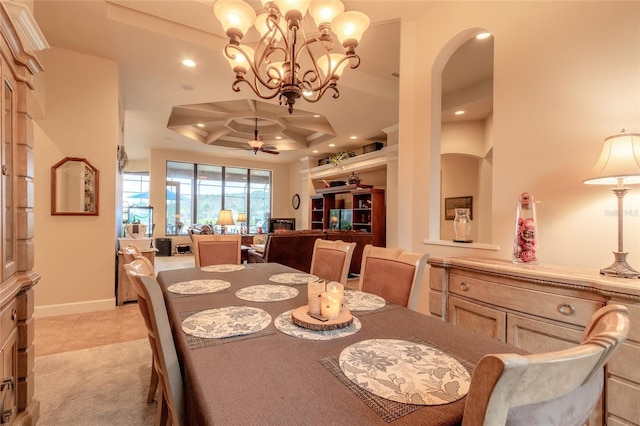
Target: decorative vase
x,y
525,242
462,226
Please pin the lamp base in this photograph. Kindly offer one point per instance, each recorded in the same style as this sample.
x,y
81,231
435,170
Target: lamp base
x,y
620,268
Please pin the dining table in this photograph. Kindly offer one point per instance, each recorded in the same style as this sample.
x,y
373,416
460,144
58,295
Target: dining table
x,y
275,374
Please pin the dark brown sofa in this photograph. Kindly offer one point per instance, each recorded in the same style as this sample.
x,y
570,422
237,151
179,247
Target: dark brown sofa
x,y
295,248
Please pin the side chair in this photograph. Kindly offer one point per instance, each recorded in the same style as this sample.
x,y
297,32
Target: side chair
x,y
392,273
131,253
331,260
216,249
554,388
139,267
154,311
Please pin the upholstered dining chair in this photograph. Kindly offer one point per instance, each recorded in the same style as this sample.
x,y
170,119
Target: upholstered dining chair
x,y
154,311
553,389
392,273
139,267
331,260
216,249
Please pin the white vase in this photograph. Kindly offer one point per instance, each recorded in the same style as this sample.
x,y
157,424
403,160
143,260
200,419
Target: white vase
x,y
462,226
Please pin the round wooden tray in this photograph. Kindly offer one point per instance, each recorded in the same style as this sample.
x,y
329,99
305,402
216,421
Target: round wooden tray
x,y
301,318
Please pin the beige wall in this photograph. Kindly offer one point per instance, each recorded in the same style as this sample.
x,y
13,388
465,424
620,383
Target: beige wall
x,y
566,77
76,255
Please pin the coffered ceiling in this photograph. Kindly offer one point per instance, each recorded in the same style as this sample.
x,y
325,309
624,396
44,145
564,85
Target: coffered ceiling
x,y
149,38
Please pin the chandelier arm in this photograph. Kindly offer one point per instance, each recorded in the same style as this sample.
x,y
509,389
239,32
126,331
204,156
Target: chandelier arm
x,y
321,91
255,89
252,66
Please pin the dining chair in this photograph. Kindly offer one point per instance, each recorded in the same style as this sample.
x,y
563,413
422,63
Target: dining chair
x,y
552,388
216,249
392,273
154,311
139,267
331,260
130,252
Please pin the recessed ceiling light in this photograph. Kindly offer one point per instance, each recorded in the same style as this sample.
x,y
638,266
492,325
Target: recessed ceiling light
x,y
353,137
200,125
278,137
483,36
316,116
315,151
189,63
459,112
332,145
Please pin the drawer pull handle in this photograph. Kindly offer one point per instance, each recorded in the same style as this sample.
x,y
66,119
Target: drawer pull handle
x,y
14,314
566,309
464,286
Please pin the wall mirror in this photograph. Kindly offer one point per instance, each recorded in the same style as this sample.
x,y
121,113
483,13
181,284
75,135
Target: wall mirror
x,y
74,188
466,139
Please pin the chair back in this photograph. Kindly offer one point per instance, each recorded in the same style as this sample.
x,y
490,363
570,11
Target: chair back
x,y
331,260
130,252
393,273
216,249
165,357
553,388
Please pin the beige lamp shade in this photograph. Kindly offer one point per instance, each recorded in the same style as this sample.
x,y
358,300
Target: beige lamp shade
x,y
242,217
619,161
225,218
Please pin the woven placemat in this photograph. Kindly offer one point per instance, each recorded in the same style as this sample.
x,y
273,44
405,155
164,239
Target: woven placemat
x,y
194,342
387,307
386,409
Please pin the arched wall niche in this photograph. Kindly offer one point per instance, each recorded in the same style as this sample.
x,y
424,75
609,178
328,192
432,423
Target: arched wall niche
x,y
462,147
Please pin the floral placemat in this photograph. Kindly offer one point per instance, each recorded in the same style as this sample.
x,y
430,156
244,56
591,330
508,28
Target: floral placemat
x,y
226,322
199,286
284,324
293,278
267,293
405,371
222,268
356,300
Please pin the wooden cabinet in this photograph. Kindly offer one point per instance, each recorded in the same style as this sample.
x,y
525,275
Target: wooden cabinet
x,y
366,206
540,309
124,291
17,277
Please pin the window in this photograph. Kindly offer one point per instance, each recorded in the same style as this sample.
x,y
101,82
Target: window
x,y
135,191
197,192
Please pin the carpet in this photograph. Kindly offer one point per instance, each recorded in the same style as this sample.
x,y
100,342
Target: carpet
x,y
105,385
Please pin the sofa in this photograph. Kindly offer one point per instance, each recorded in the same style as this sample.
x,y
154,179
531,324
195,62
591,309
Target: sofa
x,y
295,248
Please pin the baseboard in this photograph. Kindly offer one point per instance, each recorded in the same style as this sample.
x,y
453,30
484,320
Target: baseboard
x,y
74,308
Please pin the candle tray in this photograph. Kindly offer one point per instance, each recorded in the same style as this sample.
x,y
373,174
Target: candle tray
x,y
301,318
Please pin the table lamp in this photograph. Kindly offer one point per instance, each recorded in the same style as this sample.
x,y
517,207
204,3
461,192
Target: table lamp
x,y
619,164
242,218
224,218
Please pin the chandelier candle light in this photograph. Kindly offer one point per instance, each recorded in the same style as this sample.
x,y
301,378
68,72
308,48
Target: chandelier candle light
x,y
619,164
288,61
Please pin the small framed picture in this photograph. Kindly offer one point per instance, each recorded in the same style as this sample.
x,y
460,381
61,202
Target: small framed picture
x,y
453,203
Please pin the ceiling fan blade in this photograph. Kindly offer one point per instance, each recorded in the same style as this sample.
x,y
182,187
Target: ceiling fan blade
x,y
269,151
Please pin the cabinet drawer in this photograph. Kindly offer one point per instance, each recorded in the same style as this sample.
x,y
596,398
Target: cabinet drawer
x,y
622,400
8,319
544,304
624,362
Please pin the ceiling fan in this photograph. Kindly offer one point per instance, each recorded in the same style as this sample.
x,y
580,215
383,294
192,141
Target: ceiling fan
x,y
257,145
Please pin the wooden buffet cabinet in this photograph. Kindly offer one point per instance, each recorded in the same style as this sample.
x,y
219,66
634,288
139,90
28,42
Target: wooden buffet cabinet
x,y
542,308
366,204
17,67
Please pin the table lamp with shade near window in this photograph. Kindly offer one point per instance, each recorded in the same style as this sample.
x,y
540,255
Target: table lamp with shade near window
x,y
619,165
224,218
242,218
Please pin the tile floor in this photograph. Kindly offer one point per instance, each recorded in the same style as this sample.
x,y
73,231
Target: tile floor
x,y
80,331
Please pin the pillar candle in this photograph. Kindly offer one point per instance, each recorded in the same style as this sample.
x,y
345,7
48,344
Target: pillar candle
x,y
330,306
314,293
337,290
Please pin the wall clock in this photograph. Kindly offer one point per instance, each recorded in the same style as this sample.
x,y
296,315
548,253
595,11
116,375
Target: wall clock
x,y
295,201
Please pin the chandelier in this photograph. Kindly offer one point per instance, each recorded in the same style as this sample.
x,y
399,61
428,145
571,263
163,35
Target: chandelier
x,y
288,61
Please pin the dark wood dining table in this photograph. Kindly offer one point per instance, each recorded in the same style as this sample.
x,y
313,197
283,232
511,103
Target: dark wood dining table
x,y
271,378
